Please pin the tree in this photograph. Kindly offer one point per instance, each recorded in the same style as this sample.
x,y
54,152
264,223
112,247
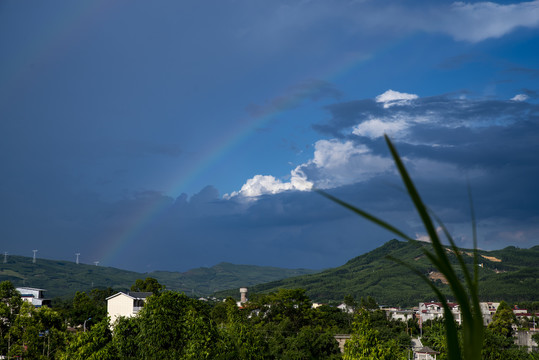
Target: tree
x,y
364,343
94,344
291,304
173,326
239,339
350,302
125,337
503,320
434,335
501,347
148,285
10,303
535,337
36,333
332,318
368,303
86,307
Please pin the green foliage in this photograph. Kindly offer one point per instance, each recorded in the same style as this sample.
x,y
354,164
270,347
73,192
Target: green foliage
x,y
332,318
173,326
240,341
148,285
85,307
501,347
36,333
434,336
290,304
10,303
280,325
503,320
535,337
94,344
368,303
350,302
365,344
125,338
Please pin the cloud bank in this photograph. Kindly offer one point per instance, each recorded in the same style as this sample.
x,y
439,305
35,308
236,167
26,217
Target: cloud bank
x,y
445,140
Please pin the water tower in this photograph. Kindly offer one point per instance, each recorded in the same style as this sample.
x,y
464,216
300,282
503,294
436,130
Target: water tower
x,y
243,295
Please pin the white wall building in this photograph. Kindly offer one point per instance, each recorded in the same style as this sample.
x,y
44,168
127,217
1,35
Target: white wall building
x,y
34,296
488,309
126,305
435,310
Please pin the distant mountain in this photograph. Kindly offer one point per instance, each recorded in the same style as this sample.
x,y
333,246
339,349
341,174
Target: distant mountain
x,y
222,276
64,278
510,274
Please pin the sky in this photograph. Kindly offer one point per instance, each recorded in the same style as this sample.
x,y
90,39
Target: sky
x,y
171,135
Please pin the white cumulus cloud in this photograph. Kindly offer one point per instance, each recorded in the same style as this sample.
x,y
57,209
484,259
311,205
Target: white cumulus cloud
x,y
334,163
268,184
480,21
376,128
520,97
333,154
391,98
338,163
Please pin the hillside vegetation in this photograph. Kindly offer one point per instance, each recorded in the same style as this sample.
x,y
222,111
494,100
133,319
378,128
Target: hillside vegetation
x,y
64,278
509,274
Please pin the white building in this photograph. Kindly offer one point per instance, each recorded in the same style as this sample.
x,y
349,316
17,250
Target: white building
x,y
34,296
425,353
435,310
346,308
126,305
488,309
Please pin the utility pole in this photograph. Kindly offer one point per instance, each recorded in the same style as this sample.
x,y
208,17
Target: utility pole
x,y
5,257
34,260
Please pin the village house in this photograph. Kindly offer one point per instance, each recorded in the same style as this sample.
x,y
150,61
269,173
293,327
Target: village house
x,y
394,313
488,309
125,304
435,310
34,296
425,353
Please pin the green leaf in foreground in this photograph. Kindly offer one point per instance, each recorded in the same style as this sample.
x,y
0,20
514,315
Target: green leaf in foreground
x,y
466,293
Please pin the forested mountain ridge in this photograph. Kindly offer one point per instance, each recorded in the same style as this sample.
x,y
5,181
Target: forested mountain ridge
x,y
64,278
510,274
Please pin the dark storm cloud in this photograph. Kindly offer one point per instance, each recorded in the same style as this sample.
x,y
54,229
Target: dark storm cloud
x,y
448,141
311,89
531,93
444,110
531,72
460,60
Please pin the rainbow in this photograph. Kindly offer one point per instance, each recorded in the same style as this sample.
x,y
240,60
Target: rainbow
x,y
118,240
68,30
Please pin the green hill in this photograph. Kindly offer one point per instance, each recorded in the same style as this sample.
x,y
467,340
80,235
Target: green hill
x,y
510,274
64,278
